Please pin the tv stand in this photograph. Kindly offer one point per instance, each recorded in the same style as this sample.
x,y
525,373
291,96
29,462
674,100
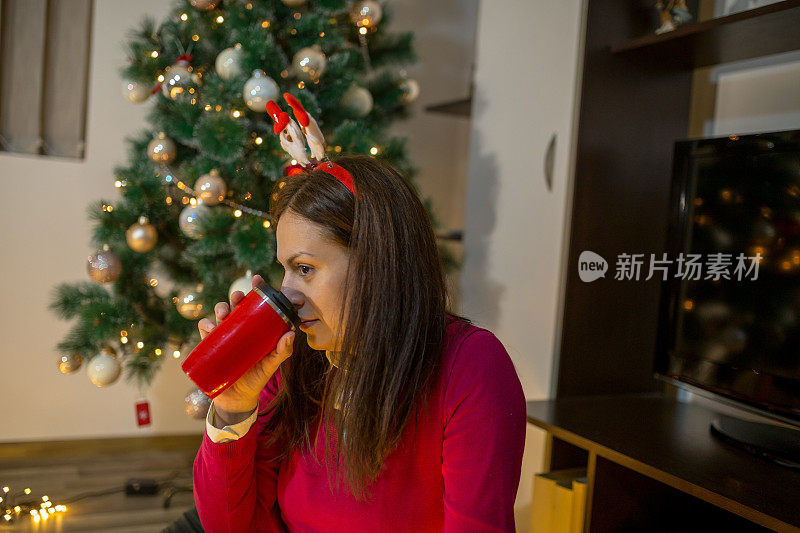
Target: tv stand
x,y
653,465
775,443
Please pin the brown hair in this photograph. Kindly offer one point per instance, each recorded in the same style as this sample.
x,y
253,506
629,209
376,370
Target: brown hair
x,y
395,302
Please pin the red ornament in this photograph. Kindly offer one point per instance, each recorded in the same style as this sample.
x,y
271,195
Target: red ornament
x,y
143,413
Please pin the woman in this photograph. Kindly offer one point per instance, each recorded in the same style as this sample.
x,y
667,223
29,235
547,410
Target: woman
x,y
430,410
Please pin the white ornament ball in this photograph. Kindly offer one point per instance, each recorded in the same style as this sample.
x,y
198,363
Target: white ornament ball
x,y
210,188
161,149
179,83
366,13
244,284
229,62
135,91
190,218
410,88
293,3
259,90
104,368
141,236
358,100
188,303
309,63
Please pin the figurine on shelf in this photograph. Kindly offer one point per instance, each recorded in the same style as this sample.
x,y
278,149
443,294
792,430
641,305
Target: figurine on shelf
x,y
675,13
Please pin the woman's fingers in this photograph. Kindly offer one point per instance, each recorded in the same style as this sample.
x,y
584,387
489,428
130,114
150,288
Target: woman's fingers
x,y
220,311
205,326
236,297
256,280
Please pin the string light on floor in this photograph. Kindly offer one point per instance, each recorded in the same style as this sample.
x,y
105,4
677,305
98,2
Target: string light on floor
x,y
14,510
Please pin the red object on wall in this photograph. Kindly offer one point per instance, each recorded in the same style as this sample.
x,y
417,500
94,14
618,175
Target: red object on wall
x,y
143,413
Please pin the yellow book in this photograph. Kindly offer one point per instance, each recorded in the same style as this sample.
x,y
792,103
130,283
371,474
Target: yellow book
x,y
562,507
544,494
578,505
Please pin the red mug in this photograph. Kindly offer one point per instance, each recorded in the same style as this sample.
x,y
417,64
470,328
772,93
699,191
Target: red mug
x,y
244,337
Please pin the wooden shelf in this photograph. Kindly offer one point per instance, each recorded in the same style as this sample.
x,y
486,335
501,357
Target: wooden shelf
x,y
461,108
767,30
669,442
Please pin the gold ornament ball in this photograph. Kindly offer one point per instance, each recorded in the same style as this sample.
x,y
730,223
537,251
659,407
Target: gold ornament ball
x,y
104,266
309,63
229,62
210,188
188,303
161,149
69,363
366,13
141,236
204,4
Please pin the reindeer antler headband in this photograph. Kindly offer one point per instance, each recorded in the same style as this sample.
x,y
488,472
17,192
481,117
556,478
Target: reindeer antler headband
x,y
291,136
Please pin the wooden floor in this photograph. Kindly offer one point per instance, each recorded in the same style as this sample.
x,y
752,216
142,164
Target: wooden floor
x,y
64,476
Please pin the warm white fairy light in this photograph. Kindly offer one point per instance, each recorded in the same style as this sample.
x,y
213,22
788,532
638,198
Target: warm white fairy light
x,y
220,19
160,77
140,344
362,30
373,150
154,54
176,354
237,213
236,113
259,140
184,17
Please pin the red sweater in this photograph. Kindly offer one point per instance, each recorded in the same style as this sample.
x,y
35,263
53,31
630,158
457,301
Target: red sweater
x,y
460,474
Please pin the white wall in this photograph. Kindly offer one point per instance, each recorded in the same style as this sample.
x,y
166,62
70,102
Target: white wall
x,y
526,85
46,232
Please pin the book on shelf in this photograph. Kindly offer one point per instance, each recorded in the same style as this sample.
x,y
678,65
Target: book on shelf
x,y
554,503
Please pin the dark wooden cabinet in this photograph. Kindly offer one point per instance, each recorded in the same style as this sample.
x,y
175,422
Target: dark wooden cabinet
x,y
653,466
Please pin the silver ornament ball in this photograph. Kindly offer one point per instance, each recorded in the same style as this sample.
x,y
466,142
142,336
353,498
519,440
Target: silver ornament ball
x,y
204,4
104,368
358,100
135,91
179,83
141,236
229,62
210,188
309,63
159,280
197,404
104,266
69,363
190,219
410,88
366,13
259,90
161,149
188,303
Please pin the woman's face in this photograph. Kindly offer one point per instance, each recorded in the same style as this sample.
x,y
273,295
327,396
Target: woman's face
x,y
315,270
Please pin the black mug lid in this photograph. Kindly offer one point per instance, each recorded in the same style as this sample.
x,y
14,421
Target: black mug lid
x,y
281,301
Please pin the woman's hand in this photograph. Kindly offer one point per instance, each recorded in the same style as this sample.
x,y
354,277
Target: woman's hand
x,y
242,396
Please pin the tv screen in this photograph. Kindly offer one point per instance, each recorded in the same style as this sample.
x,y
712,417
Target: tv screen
x,y
729,315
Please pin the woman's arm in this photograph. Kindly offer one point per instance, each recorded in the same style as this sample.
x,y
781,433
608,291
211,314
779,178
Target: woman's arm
x,y
235,482
484,437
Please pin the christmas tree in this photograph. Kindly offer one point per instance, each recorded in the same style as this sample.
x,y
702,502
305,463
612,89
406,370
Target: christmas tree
x,y
191,222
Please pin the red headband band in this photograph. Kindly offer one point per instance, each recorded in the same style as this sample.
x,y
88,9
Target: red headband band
x,y
340,173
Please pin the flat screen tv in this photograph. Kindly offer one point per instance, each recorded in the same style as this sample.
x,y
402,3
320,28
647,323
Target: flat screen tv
x,y
729,312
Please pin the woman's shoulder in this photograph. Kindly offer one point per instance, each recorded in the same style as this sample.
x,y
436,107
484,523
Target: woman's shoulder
x,y
467,343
